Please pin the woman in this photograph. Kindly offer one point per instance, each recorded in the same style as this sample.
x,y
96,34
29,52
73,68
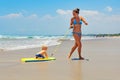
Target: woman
x,y
76,23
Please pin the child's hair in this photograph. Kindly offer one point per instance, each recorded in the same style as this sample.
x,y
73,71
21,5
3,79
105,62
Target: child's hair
x,y
44,47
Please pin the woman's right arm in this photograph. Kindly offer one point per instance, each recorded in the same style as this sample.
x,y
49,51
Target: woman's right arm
x,y
71,23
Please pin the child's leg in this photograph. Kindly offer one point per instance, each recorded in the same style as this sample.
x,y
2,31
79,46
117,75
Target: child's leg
x,y
39,55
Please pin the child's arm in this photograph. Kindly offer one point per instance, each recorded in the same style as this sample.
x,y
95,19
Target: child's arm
x,y
46,55
39,52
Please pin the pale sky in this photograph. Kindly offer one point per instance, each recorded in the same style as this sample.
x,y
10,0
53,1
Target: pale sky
x,y
52,17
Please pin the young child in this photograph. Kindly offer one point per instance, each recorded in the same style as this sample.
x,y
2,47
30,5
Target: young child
x,y
42,53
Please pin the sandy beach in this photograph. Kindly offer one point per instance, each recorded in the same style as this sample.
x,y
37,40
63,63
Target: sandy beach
x,y
103,64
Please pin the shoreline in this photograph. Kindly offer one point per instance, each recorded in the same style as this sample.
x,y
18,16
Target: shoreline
x,y
62,40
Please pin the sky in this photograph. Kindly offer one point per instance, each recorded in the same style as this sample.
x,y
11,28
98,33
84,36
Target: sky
x,y
52,17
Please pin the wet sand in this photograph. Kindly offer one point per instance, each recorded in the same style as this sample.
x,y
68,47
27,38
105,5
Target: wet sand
x,y
103,64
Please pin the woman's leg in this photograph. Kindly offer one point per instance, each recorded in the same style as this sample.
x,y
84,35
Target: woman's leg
x,y
72,50
79,44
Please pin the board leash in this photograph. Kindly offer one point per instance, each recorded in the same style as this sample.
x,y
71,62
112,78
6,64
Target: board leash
x,y
57,46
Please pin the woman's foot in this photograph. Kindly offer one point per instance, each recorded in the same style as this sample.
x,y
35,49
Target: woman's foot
x,y
69,56
81,58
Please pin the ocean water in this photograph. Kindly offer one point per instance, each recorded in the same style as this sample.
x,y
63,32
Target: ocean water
x,y
24,42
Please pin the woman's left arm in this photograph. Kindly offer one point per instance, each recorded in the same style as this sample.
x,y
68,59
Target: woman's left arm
x,y
83,19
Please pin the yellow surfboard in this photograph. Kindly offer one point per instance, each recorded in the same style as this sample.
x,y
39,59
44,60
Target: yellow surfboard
x,y
37,60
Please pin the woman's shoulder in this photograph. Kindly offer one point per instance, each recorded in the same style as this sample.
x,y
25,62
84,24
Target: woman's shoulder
x,y
72,18
80,17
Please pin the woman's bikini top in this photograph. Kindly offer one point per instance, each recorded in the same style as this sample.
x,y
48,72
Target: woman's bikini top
x,y
75,22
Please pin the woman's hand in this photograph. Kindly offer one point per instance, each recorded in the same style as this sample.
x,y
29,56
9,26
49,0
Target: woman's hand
x,y
71,26
86,23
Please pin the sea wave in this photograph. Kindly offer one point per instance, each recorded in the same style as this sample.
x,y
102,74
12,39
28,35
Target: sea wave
x,y
24,42
6,45
31,37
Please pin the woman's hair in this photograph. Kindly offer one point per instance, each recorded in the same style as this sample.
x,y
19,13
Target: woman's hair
x,y
76,10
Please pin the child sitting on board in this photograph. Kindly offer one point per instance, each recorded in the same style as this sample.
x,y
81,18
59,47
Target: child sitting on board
x,y
42,53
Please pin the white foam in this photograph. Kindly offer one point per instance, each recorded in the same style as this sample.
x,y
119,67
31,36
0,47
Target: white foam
x,y
25,42
28,44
